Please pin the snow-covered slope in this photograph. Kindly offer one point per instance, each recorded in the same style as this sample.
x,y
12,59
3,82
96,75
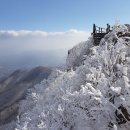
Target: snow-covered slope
x,y
93,93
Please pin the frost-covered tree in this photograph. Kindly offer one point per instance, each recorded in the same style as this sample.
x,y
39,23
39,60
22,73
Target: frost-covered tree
x,y
93,93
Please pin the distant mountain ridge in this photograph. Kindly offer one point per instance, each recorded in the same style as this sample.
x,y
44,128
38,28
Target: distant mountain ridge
x,y
13,89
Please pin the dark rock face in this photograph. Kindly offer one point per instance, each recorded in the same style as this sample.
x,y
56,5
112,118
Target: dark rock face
x,y
128,26
13,89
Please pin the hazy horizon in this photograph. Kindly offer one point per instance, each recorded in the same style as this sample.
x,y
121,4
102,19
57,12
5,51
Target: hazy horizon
x,y
26,49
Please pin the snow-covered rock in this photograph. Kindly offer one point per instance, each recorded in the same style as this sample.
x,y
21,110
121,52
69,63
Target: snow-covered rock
x,y
92,94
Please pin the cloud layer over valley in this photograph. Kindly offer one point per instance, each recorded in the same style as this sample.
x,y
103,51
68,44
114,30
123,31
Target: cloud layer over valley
x,y
26,48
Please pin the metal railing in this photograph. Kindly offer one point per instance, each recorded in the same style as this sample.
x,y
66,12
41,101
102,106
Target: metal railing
x,y
97,29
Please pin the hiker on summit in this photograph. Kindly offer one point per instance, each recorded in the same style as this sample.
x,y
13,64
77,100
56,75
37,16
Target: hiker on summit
x,y
108,28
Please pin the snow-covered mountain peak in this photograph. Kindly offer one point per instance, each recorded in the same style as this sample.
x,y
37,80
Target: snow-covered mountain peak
x,y
93,93
76,55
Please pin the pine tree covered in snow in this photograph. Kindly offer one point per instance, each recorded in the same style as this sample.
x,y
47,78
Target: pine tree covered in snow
x,y
93,93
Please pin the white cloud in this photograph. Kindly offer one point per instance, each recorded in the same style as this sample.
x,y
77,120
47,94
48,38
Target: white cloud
x,y
43,40
14,42
15,33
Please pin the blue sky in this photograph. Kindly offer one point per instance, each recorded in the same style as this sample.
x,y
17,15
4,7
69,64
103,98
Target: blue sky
x,y
61,15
